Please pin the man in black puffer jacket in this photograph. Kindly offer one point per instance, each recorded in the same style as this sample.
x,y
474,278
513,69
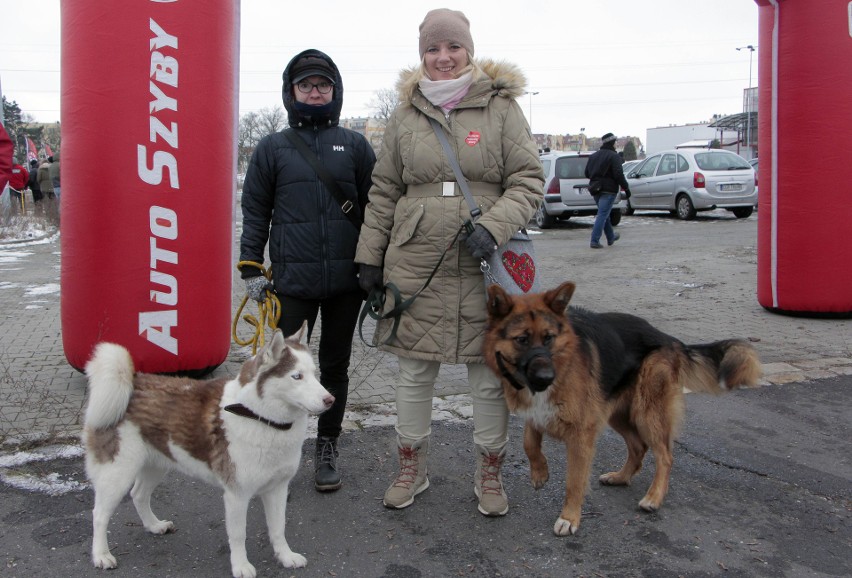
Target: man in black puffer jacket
x,y
311,240
605,177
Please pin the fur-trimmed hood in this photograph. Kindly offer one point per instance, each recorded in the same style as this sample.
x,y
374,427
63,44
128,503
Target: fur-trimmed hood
x,y
498,77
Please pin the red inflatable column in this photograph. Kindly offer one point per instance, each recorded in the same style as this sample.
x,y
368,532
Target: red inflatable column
x,y
149,101
804,257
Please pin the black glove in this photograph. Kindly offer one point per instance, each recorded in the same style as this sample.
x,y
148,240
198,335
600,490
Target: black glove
x,y
256,287
370,278
627,193
480,243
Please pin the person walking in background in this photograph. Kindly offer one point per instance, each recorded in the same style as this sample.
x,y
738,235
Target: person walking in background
x,y
606,177
44,180
17,183
32,183
414,214
312,240
54,174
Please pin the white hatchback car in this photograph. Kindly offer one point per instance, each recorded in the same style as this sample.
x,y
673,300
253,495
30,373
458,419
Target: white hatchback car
x,y
566,190
685,181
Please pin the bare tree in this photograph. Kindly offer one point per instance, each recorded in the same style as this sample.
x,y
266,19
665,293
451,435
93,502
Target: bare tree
x,y
254,126
272,119
248,136
384,103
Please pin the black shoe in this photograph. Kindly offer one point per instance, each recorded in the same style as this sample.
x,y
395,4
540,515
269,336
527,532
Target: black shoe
x,y
594,245
326,478
615,237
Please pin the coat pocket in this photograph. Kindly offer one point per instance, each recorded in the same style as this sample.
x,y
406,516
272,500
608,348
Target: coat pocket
x,y
404,231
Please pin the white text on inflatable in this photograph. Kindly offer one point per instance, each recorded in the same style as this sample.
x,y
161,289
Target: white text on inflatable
x,y
157,325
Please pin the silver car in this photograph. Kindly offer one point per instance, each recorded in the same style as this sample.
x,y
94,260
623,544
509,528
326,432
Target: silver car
x,y
685,181
566,190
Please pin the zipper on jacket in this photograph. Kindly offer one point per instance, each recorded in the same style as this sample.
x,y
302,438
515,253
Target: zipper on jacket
x,y
323,222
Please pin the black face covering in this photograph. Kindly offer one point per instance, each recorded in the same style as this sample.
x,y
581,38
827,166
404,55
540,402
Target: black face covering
x,y
314,114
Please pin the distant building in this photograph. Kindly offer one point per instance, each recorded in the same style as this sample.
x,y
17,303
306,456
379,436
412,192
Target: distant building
x,y
372,128
669,137
580,142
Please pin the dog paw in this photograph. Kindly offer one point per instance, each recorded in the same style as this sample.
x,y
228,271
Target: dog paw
x,y
162,527
563,527
649,505
106,561
293,560
538,479
243,570
613,479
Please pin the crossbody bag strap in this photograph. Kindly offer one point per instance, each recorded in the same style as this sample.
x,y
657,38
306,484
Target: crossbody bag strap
x,y
475,211
330,183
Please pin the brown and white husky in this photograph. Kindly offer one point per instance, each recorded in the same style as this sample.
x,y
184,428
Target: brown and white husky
x,y
244,435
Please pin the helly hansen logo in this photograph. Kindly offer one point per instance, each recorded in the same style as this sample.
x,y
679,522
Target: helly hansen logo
x,y
337,148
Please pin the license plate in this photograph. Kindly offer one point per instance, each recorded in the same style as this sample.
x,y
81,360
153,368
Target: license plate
x,y
729,187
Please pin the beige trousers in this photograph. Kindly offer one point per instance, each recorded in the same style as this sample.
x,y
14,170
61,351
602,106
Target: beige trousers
x,y
414,402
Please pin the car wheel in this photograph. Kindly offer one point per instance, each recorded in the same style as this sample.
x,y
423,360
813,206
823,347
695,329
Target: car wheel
x,y
685,208
629,210
543,220
615,217
743,212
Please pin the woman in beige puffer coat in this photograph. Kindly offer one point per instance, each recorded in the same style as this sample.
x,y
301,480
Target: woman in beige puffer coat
x,y
415,211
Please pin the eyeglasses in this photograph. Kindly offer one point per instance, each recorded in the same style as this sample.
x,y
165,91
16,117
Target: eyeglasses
x,y
306,87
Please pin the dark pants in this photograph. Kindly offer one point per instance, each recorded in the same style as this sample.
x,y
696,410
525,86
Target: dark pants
x,y
339,316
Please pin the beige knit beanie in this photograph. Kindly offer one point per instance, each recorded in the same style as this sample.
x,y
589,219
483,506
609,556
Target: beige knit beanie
x,y
445,25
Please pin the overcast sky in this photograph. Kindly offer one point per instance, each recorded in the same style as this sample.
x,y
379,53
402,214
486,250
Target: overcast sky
x,y
619,66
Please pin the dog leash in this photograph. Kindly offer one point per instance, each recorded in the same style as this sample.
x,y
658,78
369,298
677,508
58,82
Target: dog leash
x,y
269,311
376,300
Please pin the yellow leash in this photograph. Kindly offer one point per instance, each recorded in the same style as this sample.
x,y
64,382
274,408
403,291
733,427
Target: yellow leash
x,y
269,312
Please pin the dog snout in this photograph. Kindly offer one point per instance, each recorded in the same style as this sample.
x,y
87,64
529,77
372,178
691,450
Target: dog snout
x,y
540,373
328,400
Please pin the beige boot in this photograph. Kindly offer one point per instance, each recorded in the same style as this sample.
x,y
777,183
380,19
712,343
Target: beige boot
x,y
411,479
488,482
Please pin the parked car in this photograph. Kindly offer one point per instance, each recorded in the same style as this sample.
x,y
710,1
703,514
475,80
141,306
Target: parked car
x,y
753,163
629,165
566,190
685,181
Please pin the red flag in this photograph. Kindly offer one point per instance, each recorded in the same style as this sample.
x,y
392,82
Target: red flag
x,y
45,148
32,154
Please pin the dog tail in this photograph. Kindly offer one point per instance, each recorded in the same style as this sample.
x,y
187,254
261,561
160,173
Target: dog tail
x,y
110,373
720,366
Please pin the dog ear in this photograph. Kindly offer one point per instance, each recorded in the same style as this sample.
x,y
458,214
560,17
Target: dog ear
x,y
499,302
558,299
272,351
301,336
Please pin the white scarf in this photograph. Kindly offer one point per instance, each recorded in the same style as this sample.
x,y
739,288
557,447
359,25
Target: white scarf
x,y
446,92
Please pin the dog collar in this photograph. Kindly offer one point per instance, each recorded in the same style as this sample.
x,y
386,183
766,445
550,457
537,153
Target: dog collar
x,y
240,409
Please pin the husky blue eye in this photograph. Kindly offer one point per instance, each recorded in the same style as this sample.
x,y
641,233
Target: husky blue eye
x,y
296,376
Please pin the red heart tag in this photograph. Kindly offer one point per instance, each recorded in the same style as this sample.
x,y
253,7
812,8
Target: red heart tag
x,y
472,138
521,269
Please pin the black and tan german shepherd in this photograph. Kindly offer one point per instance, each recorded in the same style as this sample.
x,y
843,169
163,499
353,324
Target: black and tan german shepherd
x,y
569,372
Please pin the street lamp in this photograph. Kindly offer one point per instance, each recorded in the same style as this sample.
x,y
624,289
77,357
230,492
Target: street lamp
x,y
751,50
532,94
